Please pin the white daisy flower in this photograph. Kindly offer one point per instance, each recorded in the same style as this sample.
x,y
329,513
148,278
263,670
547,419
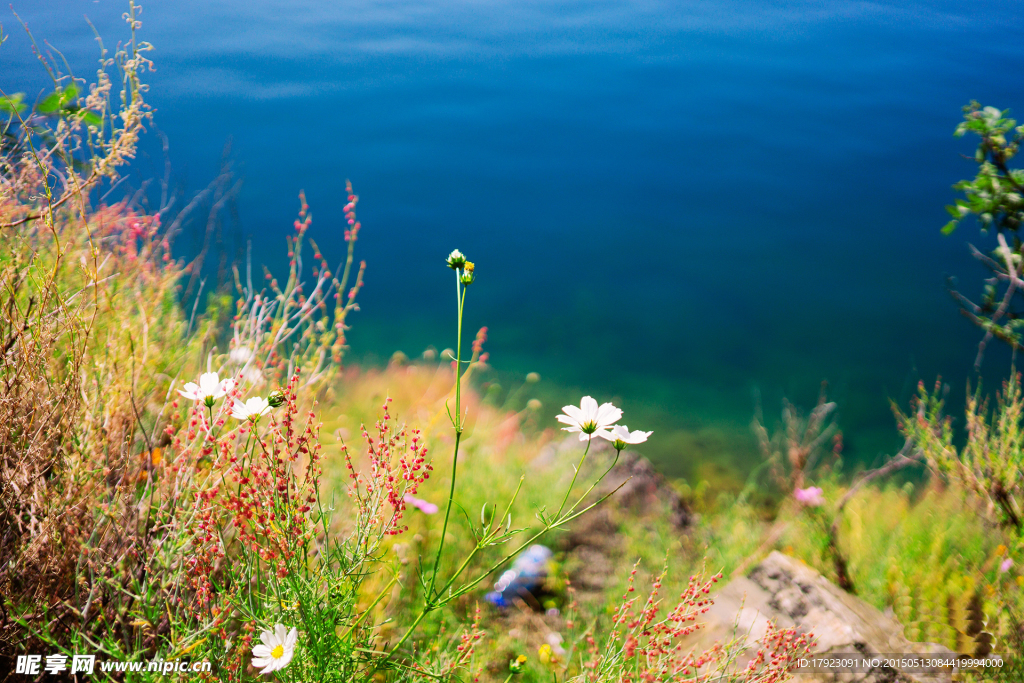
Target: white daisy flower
x,y
209,389
252,410
252,375
620,436
240,354
276,650
589,419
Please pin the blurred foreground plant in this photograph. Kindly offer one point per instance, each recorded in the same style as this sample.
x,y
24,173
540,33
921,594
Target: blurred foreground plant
x,y
995,197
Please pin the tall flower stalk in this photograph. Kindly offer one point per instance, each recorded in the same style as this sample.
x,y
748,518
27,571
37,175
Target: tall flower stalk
x,y
590,420
458,263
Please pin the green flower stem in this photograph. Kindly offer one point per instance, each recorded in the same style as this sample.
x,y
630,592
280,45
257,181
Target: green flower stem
x,y
430,604
460,296
373,604
618,452
462,590
574,475
408,632
483,542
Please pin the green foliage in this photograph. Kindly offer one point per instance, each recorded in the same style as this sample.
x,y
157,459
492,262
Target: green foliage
x,y
990,463
994,196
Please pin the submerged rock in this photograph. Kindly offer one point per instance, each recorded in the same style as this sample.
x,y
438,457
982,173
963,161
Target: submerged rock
x,y
792,594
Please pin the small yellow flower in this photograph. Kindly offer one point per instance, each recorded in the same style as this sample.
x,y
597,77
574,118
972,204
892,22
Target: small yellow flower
x,y
1001,549
544,653
516,665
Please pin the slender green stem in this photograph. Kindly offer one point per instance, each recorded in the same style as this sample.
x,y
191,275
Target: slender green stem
x,y
483,543
570,516
594,485
373,604
447,513
408,632
574,475
460,296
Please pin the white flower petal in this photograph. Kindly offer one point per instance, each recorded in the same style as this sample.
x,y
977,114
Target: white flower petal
x,y
589,408
639,437
607,415
281,632
285,658
261,651
209,382
573,413
293,637
191,391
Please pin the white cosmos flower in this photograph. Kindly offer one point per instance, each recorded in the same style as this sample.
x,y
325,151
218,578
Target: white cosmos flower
x,y
252,375
253,409
620,436
240,354
589,419
209,389
276,650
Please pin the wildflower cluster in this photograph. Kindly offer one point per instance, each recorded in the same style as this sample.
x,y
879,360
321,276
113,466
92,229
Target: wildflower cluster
x,y
646,643
299,325
641,646
778,655
396,466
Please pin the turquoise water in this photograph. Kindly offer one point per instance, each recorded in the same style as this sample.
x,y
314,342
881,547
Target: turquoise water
x,y
677,205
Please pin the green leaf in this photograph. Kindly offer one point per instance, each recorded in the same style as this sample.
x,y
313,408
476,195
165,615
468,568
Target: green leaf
x,y
949,227
58,99
12,104
69,94
50,103
90,118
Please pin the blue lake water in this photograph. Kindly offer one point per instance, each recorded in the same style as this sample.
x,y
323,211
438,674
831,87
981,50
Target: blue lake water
x,y
677,205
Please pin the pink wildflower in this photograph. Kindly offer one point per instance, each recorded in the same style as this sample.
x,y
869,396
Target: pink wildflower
x,y
423,506
811,496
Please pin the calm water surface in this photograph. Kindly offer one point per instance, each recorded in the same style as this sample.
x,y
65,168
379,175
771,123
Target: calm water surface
x,y
679,205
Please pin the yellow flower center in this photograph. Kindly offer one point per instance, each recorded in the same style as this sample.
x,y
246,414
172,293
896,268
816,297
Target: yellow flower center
x,y
277,652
